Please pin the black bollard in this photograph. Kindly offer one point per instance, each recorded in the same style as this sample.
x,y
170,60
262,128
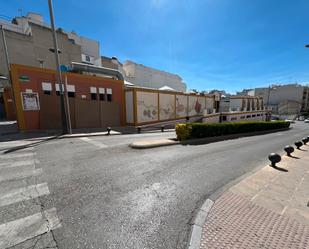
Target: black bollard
x,y
274,158
162,128
139,129
288,149
304,140
298,144
108,130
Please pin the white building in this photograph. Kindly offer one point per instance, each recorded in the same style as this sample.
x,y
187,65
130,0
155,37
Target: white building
x,y
144,76
291,98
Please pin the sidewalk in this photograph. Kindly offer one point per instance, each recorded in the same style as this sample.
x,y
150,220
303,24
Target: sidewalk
x,y
269,209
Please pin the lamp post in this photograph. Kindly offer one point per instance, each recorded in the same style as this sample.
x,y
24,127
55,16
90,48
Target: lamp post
x,y
8,66
64,112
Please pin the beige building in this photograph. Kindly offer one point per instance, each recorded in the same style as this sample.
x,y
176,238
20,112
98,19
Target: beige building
x,y
288,99
29,40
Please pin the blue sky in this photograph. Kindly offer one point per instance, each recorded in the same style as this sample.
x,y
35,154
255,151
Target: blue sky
x,y
223,44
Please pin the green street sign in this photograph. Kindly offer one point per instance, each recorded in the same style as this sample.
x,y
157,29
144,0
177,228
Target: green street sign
x,y
24,78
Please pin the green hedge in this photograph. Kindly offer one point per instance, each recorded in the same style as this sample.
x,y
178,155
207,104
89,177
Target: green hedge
x,y
202,130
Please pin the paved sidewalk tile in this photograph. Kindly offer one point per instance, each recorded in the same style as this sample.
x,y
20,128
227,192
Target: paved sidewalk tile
x,y
236,222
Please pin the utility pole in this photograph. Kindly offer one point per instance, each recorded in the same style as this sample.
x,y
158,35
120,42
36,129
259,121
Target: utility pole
x,y
64,112
8,65
267,104
5,49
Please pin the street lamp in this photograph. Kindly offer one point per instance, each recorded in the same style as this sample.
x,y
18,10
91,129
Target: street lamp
x,y
64,111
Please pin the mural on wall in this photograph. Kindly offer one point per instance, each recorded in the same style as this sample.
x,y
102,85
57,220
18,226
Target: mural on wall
x,y
209,103
202,105
194,106
167,106
181,106
147,106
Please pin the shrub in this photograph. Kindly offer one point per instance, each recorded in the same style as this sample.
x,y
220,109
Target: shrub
x,y
202,130
183,131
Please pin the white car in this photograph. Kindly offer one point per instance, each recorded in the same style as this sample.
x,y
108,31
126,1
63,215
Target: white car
x,y
306,120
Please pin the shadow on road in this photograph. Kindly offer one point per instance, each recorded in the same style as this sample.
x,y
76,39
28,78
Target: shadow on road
x,y
13,149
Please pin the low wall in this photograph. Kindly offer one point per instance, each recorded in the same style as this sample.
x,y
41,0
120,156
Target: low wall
x,y
222,117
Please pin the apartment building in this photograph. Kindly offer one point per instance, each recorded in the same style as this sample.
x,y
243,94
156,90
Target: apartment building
x,y
29,42
285,99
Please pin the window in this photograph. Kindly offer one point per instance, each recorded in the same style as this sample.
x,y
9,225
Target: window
x,y
93,93
253,116
93,96
248,116
234,118
71,94
242,117
109,94
258,115
223,118
57,89
47,92
47,88
101,94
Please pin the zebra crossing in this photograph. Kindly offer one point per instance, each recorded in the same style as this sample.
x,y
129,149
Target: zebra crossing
x,y
16,170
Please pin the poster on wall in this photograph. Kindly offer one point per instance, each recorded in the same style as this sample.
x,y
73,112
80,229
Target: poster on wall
x,y
30,101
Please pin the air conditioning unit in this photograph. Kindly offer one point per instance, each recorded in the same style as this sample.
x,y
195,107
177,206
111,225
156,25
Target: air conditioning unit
x,y
87,59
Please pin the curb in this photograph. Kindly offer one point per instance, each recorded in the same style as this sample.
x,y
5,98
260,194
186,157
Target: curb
x,y
197,226
153,144
87,135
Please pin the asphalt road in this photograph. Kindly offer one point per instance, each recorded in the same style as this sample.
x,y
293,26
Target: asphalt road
x,y
108,195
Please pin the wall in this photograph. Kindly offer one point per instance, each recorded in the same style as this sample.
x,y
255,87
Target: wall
x,y
147,107
181,106
235,117
82,104
152,106
8,101
167,106
212,118
243,116
129,107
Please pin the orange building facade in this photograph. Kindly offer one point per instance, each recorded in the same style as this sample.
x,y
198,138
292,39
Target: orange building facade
x,y
94,102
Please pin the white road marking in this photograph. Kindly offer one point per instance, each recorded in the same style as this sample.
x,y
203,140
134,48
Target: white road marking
x,y
16,164
22,194
18,173
17,231
12,156
95,143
